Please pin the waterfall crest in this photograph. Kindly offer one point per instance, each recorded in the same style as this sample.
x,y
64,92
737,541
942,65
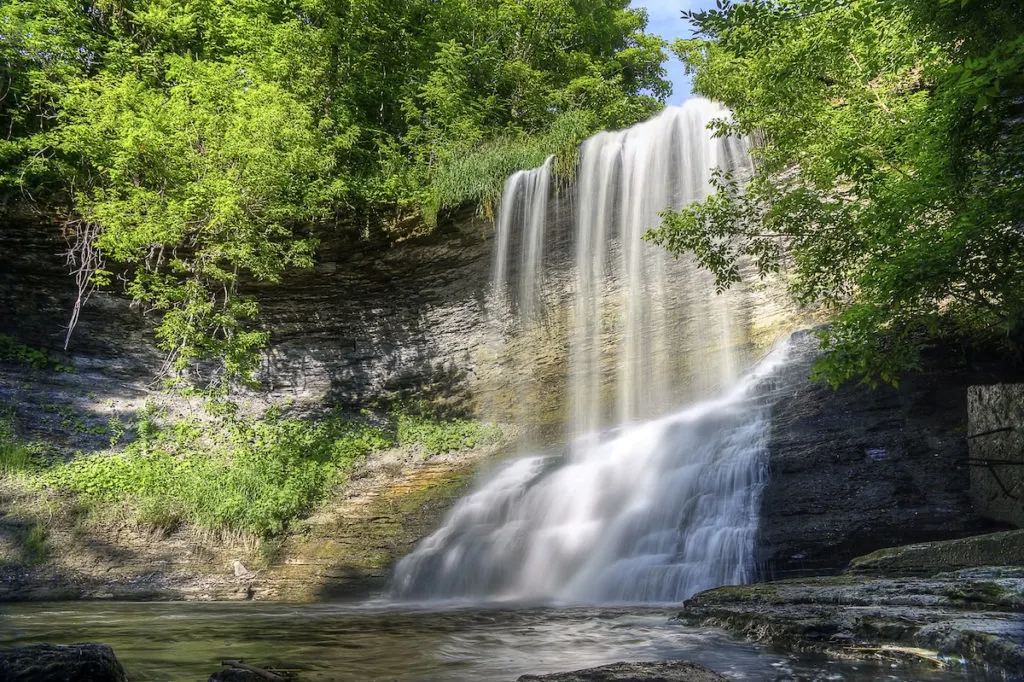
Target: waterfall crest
x,y
645,504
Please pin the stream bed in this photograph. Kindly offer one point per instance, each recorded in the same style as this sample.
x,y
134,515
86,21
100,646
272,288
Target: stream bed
x,y
384,641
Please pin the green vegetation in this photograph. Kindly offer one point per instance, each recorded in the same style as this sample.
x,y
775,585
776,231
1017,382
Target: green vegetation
x,y
34,544
889,183
189,147
435,437
37,358
226,471
479,175
14,455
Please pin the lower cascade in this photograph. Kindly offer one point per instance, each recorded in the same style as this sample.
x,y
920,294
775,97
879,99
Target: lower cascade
x,y
649,502
652,512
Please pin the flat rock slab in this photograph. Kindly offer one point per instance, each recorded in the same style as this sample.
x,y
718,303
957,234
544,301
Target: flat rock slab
x,y
975,614
53,663
665,671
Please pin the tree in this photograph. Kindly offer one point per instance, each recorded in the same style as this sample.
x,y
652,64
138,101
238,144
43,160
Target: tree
x,y
888,179
191,146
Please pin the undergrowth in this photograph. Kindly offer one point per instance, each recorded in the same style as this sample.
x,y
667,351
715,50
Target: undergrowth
x,y
224,471
436,437
35,545
37,358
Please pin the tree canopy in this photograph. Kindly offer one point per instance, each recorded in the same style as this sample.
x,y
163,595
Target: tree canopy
x,y
889,171
191,144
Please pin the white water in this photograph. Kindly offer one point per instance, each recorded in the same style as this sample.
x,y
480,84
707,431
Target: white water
x,y
643,507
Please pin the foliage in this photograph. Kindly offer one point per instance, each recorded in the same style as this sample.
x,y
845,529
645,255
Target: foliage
x,y
478,175
889,180
240,473
37,358
435,437
191,146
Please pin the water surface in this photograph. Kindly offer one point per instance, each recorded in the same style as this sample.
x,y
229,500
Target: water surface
x,y
187,641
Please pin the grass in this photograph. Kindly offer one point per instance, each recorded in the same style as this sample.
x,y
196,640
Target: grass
x,y
435,437
477,176
14,456
34,544
229,472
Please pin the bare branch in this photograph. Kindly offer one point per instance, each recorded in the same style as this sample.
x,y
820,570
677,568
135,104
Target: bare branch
x,y
83,260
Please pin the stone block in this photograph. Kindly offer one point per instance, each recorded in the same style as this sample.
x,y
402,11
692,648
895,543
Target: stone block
x,y
995,436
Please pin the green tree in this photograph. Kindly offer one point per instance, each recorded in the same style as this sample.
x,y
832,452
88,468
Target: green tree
x,y
193,146
888,179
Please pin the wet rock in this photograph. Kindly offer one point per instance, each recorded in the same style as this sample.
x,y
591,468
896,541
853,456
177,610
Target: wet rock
x,y
236,674
665,671
53,663
973,614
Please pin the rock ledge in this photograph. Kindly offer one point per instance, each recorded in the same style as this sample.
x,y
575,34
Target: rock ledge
x,y
666,671
974,615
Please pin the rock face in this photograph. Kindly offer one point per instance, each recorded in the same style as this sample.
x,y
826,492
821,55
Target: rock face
x,y
996,420
52,663
854,470
670,671
367,323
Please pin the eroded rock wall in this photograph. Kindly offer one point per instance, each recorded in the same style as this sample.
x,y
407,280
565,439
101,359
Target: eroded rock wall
x,y
370,323
857,469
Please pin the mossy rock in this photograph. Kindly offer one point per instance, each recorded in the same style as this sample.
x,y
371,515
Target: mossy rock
x,y
53,663
930,558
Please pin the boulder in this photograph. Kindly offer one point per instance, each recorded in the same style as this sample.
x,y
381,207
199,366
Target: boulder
x,y
56,663
926,559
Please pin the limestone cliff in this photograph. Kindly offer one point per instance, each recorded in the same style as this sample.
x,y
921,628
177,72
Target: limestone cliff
x,y
857,469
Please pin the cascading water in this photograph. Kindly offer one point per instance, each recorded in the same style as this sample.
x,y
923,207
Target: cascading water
x,y
635,510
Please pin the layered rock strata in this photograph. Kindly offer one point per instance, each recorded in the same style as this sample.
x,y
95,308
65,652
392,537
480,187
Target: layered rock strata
x,y
857,469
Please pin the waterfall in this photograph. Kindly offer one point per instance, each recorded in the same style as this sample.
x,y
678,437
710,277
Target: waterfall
x,y
649,502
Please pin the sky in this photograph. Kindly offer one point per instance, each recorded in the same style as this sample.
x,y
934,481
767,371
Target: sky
x,y
664,20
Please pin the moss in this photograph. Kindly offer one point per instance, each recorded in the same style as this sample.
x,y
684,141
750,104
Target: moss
x,y
756,592
978,594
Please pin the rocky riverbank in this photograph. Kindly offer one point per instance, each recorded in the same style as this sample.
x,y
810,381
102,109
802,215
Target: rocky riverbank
x,y
937,601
